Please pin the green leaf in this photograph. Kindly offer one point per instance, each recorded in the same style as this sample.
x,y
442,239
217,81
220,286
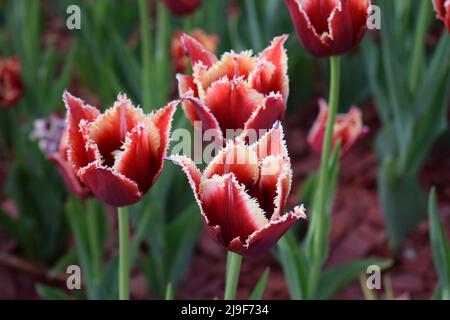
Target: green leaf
x,y
335,278
439,246
169,292
260,287
402,201
50,293
294,265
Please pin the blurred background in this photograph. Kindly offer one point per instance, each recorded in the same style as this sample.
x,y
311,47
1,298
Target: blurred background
x,y
132,47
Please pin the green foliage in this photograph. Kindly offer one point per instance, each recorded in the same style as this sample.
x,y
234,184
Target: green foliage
x,y
440,248
412,100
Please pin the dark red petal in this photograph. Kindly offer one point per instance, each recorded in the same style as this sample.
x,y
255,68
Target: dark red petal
x,y
310,37
265,238
110,129
111,187
276,55
271,144
237,159
226,204
77,111
70,178
348,25
265,116
232,102
196,111
197,52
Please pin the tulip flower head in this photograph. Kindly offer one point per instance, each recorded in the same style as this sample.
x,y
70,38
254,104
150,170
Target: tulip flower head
x,y
179,57
348,128
11,87
182,7
239,91
119,154
329,27
442,8
243,191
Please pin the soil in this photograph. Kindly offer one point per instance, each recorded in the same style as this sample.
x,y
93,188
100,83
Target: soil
x,y
357,229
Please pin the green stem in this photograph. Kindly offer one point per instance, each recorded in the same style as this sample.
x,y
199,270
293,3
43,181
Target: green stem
x,y
232,275
146,56
322,187
421,32
93,241
124,268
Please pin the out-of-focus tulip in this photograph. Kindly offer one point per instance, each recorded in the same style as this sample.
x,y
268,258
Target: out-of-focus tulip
x,y
442,8
329,27
179,57
243,191
182,7
239,91
347,128
50,133
119,154
11,88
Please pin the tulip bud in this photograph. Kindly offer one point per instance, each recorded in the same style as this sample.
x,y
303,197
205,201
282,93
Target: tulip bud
x,y
179,57
347,128
329,27
11,88
182,7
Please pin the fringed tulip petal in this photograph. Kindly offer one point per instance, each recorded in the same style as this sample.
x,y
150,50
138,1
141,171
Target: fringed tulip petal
x,y
197,52
266,237
232,102
237,159
271,144
111,187
77,112
271,111
226,204
277,56
110,129
196,111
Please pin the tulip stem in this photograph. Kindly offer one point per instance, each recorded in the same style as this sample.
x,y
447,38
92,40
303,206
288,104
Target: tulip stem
x,y
124,268
319,234
232,275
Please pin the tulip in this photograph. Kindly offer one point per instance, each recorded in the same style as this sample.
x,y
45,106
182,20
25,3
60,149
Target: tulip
x,y
11,88
119,154
347,128
51,135
442,8
179,58
182,7
239,91
243,191
329,27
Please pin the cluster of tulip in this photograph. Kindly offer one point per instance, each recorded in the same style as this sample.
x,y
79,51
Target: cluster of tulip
x,y
118,155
